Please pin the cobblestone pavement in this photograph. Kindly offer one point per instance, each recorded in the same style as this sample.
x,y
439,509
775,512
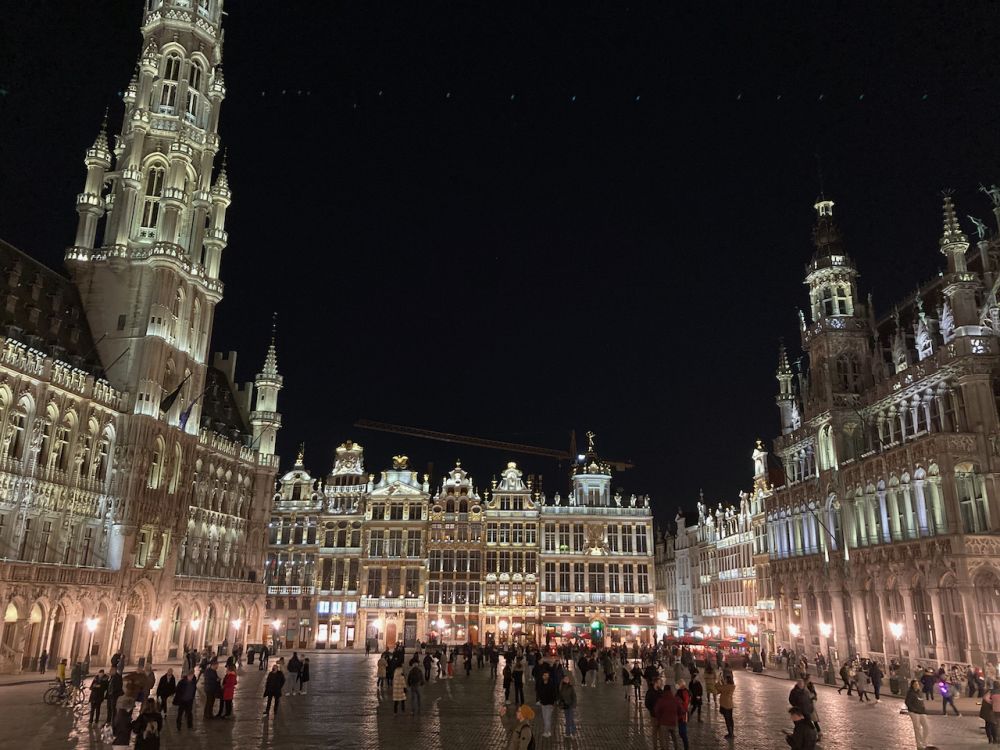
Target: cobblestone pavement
x,y
342,710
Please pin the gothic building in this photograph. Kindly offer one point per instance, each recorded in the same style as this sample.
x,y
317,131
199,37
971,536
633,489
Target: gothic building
x,y
354,561
882,536
135,476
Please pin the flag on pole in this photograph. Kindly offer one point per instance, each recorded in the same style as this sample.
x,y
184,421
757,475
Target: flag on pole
x,y
186,414
170,398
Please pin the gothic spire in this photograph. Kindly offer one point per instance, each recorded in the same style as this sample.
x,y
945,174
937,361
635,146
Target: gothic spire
x,y
953,233
271,360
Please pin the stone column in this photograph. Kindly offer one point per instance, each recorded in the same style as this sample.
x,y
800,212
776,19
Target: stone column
x,y
839,623
909,623
942,651
975,655
918,491
886,530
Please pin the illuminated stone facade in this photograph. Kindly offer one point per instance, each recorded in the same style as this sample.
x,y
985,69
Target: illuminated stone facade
x,y
135,479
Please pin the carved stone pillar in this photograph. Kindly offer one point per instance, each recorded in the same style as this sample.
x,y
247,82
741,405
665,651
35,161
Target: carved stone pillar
x,y
942,650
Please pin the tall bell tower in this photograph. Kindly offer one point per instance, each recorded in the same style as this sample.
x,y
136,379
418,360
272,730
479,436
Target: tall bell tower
x,y
152,216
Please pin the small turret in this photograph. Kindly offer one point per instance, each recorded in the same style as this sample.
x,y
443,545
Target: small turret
x,y
265,418
786,396
960,285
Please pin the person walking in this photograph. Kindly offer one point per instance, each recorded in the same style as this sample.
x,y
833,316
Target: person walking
x,y
710,685
303,676
547,693
184,695
653,694
98,694
148,726
43,661
696,696
986,714
518,674
875,675
567,698
165,689
273,687
845,677
668,712
522,736
398,690
380,672
414,681
726,705
861,685
507,677
636,682
947,696
116,689
264,654
149,686
684,698
803,736
428,664
918,713
228,692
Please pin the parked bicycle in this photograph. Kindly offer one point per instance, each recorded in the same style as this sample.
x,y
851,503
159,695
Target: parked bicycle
x,y
66,695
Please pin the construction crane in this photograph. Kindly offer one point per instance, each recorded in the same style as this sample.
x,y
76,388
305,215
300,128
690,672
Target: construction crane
x,y
500,445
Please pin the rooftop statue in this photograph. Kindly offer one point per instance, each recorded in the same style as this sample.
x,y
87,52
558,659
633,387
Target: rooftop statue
x,y
980,227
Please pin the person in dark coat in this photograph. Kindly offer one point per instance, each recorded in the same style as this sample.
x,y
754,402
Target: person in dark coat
x,y
184,695
43,661
148,726
165,689
116,689
98,694
697,692
303,676
273,686
121,722
875,673
803,737
264,653
213,689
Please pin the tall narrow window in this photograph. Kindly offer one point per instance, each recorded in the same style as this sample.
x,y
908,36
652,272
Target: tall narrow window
x,y
15,435
168,89
151,202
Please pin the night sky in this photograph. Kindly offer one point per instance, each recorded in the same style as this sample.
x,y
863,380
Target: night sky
x,y
508,261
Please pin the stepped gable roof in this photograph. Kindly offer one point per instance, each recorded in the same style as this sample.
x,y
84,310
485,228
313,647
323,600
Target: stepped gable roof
x,y
41,308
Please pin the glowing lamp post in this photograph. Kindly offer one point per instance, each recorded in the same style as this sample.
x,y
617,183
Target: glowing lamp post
x,y
236,630
154,628
794,629
275,626
91,627
896,628
826,630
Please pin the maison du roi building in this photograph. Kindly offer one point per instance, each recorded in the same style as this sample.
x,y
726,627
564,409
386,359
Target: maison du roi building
x,y
135,476
356,559
877,533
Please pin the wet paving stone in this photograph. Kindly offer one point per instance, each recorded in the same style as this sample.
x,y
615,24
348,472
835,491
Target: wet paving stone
x,y
344,711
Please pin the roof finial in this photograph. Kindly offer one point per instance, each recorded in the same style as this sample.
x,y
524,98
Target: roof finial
x,y
819,174
301,457
952,229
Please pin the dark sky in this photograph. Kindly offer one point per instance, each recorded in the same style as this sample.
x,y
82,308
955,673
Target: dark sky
x,y
514,268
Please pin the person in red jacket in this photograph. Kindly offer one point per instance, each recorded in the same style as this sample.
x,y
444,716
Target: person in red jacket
x,y
668,712
684,697
228,691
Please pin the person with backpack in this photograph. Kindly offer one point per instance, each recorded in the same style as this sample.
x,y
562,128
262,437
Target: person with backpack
x,y
147,726
522,736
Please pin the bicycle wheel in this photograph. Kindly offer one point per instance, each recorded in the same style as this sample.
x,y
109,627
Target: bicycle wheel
x,y
51,696
79,697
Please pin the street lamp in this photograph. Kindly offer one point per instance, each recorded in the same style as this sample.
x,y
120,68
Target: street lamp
x,y
154,627
91,626
794,629
753,629
566,628
274,635
236,630
896,628
730,631
826,630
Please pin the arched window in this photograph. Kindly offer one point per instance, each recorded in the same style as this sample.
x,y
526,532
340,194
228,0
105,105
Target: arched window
x,y
972,499
60,457
194,339
848,374
923,617
156,465
152,193
175,470
194,96
204,8
168,87
17,419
